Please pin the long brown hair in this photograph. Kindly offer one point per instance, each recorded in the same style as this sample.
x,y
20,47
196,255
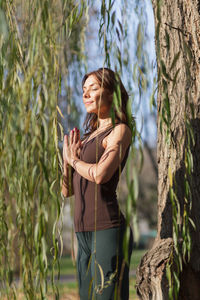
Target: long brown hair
x,y
110,81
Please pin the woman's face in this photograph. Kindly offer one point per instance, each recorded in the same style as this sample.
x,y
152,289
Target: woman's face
x,y
96,97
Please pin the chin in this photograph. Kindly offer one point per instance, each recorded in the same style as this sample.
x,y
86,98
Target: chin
x,y
91,111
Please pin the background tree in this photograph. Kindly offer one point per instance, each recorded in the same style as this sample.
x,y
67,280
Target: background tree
x,y
171,268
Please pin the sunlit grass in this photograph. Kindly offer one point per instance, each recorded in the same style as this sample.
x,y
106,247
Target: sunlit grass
x,y
70,290
68,267
70,287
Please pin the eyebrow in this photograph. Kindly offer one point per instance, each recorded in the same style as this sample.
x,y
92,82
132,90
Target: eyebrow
x,y
91,85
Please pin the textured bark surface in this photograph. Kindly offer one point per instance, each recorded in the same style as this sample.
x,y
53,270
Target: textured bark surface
x,y
179,36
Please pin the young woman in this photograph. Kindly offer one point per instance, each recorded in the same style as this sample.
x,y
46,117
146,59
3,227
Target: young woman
x,y
92,167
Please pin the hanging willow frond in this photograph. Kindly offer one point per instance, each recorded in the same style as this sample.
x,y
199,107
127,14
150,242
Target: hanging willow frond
x,y
32,42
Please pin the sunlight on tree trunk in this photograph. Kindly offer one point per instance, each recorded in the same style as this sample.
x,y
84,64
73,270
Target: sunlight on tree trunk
x,y
171,269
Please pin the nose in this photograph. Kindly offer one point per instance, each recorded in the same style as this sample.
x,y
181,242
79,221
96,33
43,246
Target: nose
x,y
85,94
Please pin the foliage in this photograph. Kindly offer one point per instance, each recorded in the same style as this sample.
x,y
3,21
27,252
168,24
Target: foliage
x,y
36,38
42,50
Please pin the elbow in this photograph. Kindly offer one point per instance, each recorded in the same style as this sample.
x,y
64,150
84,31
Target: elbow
x,y
101,176
98,180
101,179
66,193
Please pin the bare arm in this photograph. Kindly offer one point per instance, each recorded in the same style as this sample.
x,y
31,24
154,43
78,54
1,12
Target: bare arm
x,y
113,155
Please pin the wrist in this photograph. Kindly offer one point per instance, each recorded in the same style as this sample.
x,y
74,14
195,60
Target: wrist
x,y
73,161
65,165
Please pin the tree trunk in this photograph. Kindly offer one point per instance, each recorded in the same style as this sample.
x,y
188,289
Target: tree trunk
x,y
178,103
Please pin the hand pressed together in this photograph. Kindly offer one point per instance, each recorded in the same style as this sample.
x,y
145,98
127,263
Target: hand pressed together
x,y
72,146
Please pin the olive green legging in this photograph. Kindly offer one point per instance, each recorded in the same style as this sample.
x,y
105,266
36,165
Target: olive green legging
x,y
104,275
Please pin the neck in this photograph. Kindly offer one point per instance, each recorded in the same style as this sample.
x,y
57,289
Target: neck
x,y
104,122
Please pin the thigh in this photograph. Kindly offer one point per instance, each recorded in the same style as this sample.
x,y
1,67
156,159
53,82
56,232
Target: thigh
x,y
84,265
110,272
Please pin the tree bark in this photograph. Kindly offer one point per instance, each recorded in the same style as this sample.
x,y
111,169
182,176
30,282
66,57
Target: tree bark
x,y
178,105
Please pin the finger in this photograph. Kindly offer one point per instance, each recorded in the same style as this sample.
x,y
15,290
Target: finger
x,y
76,138
77,134
80,140
65,140
65,146
71,136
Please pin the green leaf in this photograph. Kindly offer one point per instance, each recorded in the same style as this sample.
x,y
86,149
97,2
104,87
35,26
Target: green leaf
x,y
176,57
175,78
164,71
192,223
113,17
121,27
167,39
3,26
99,289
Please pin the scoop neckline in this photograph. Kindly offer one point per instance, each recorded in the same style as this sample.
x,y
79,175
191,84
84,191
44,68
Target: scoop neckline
x,y
87,141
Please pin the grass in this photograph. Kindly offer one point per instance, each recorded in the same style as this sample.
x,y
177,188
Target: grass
x,y
71,288
68,268
136,257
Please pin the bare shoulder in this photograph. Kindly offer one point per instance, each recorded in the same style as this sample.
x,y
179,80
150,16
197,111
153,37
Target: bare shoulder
x,y
121,133
123,128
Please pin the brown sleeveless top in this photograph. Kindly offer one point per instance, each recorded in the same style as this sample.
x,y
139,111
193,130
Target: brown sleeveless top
x,y
108,214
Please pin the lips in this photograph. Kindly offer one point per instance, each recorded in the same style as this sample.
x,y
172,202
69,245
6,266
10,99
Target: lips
x,y
88,102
